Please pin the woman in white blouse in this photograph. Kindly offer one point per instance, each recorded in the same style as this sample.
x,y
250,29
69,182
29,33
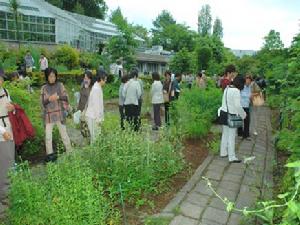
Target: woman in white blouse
x,y
95,108
232,100
157,99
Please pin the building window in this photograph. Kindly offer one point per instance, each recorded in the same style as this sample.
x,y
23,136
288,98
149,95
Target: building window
x,y
3,24
3,34
12,35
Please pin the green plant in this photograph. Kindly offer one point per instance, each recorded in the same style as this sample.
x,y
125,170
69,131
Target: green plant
x,y
66,55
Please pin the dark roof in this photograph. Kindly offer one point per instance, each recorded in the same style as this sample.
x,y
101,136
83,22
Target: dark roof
x,y
144,57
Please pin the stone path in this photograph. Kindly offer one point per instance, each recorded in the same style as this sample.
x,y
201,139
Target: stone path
x,y
241,183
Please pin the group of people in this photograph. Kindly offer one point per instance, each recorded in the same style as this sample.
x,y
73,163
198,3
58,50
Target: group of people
x,y
239,94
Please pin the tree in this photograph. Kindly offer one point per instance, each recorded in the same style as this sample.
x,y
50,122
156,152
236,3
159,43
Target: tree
x,y
218,29
14,7
204,21
117,18
273,41
182,62
163,20
93,8
143,33
203,57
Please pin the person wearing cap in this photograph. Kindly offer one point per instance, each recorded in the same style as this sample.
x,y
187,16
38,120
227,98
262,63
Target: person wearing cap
x,y
7,146
95,107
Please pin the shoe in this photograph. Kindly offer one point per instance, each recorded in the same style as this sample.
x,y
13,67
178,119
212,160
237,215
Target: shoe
x,y
225,156
154,128
248,139
51,158
235,161
255,133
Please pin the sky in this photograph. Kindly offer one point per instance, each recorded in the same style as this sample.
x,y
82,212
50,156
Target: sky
x,y
245,22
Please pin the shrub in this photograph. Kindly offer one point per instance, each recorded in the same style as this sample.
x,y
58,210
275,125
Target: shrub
x,y
202,108
66,55
63,193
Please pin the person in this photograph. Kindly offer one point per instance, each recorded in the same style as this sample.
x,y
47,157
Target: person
x,y
177,88
230,73
29,62
43,63
136,72
124,80
245,102
7,145
231,103
189,80
169,92
119,69
85,90
132,93
15,76
54,99
157,99
95,108
255,91
200,81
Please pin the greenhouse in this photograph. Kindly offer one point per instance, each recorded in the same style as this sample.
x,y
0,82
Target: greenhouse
x,y
41,22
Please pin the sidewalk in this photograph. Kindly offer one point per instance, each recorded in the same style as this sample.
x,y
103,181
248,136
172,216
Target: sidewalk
x,y
241,183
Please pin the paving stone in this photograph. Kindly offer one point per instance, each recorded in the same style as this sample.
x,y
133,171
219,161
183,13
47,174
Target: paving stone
x,y
212,175
231,195
216,215
232,178
197,199
202,188
190,210
216,168
252,181
174,202
245,200
220,162
235,219
217,203
237,166
208,222
182,220
235,171
228,185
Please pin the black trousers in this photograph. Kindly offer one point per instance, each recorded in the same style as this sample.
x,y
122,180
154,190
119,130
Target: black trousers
x,y
167,113
122,115
244,131
132,116
156,112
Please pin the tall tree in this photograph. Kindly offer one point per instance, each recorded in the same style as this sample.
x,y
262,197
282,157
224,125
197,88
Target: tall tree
x,y
163,20
14,7
218,28
204,21
273,41
93,8
143,33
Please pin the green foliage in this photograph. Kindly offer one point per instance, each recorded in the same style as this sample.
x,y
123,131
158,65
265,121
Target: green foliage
x,y
217,28
92,61
132,160
273,41
66,55
202,105
182,62
204,21
247,64
65,193
92,8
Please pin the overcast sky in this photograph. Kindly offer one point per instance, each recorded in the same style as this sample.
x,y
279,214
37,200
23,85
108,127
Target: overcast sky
x,y
245,22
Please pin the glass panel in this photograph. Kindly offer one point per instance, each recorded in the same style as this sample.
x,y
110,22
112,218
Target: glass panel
x,y
52,38
46,37
12,35
21,36
39,37
2,24
46,28
11,25
26,26
25,18
27,36
33,27
10,16
32,19
52,21
39,28
2,14
33,37
52,29
3,34
39,19
46,20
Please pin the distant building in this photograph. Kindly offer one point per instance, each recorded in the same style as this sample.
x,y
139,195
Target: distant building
x,y
241,53
43,23
153,60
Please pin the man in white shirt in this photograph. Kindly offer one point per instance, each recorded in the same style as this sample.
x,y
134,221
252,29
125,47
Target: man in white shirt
x,y
95,108
132,92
